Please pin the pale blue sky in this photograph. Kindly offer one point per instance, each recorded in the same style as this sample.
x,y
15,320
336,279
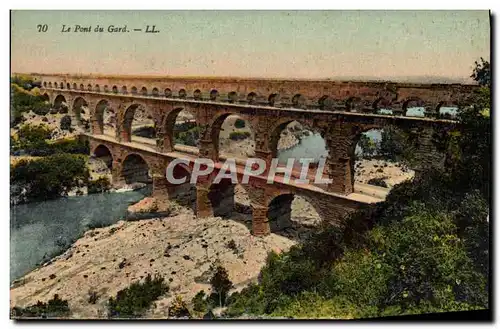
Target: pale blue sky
x,y
301,44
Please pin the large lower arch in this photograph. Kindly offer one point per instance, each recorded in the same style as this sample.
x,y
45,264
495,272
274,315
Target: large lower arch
x,y
221,196
59,102
183,193
135,169
102,153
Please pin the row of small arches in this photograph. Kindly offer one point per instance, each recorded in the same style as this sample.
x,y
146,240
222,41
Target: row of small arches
x,y
298,100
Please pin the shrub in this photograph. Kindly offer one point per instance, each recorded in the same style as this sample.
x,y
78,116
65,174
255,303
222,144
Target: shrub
x,y
146,131
178,309
100,185
199,302
133,301
65,122
239,135
55,307
220,283
239,123
378,182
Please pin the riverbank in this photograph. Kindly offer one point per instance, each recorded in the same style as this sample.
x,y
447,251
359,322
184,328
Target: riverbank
x,y
181,248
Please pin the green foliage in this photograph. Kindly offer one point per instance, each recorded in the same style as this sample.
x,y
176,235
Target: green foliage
x,y
23,101
100,185
189,136
178,309
378,182
133,301
482,72
199,302
368,146
33,137
55,307
65,122
396,145
239,123
220,283
49,177
146,131
239,135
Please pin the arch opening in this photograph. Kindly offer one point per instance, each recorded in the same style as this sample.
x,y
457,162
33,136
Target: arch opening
x,y
185,193
252,98
115,90
168,93
144,91
326,103
232,97
221,196
81,114
101,162
124,90
105,118
197,94
133,91
299,101
155,92
139,125
182,94
184,130
233,136
97,88
214,94
135,170
379,160
68,86
82,87
293,216
294,140
89,87
414,107
75,87
106,89
60,104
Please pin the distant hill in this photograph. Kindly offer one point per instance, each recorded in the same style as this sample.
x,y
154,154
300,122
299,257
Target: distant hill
x,y
410,79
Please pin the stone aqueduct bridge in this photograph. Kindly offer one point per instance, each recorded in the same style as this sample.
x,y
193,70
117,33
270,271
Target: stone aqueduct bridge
x,y
339,111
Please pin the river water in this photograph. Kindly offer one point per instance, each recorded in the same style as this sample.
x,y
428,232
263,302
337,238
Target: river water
x,y
40,230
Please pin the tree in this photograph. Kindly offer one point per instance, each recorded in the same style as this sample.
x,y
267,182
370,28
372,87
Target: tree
x,y
220,283
368,146
482,72
65,122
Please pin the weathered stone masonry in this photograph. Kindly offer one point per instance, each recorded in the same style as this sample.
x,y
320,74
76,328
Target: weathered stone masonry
x,y
339,124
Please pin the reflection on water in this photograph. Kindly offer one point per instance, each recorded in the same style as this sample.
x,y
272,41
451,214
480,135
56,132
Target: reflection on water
x,y
41,229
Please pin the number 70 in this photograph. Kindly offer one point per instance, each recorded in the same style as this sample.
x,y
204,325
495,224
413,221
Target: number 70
x,y
42,28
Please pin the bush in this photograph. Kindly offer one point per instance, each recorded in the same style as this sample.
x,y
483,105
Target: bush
x,y
65,122
100,185
188,137
378,182
133,301
220,284
47,178
239,135
178,309
199,302
55,307
239,123
146,131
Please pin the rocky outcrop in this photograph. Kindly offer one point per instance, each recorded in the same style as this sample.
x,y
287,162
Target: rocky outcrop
x,y
150,207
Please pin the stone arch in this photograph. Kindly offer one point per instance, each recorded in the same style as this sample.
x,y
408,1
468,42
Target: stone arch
x,y
232,97
279,212
185,193
415,101
381,103
182,93
45,84
214,94
133,91
104,117
326,103
68,86
97,88
75,86
197,94
89,87
103,153
135,169
155,92
61,85
106,89
130,115
115,90
174,125
46,97
221,197
168,93
82,87
59,101
81,113
236,135
216,128
299,101
124,90
354,104
50,84
252,98
144,91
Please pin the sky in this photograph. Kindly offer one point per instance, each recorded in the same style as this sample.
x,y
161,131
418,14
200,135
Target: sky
x,y
271,44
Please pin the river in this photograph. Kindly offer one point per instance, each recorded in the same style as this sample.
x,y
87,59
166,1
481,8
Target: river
x,y
40,230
